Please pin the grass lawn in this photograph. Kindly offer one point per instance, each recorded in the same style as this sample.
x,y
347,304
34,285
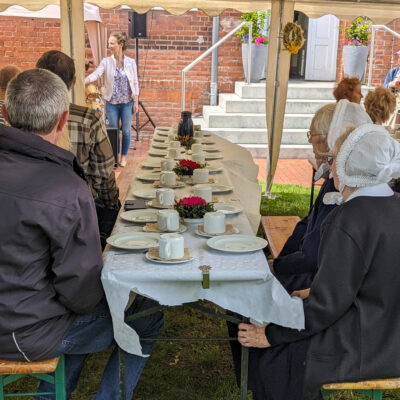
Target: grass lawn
x,y
201,370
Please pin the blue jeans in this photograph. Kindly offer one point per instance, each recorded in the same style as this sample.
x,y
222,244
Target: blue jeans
x,y
93,332
121,112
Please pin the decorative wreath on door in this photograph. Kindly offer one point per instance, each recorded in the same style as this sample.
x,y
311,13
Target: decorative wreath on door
x,y
293,38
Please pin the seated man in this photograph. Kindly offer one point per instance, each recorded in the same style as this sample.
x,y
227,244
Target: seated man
x,y
51,297
89,143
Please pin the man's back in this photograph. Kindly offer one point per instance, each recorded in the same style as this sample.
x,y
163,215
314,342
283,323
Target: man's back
x,y
50,257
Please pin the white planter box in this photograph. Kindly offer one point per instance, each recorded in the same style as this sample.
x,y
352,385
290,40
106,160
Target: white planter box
x,y
259,56
354,61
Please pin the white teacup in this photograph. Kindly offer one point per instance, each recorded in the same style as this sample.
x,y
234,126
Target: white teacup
x,y
171,137
171,246
168,164
214,222
168,178
165,197
174,153
201,175
203,191
197,148
168,220
198,134
175,144
199,157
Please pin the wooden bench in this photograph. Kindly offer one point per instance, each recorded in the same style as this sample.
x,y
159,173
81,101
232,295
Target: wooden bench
x,y
11,371
372,389
276,230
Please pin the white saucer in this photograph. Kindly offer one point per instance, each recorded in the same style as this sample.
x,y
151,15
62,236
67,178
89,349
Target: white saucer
x,y
213,156
170,261
151,164
204,234
217,188
182,228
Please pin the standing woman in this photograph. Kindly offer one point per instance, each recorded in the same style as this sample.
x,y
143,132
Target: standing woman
x,y
121,89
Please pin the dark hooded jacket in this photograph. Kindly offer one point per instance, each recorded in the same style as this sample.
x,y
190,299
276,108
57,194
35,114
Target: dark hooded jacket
x,y
50,256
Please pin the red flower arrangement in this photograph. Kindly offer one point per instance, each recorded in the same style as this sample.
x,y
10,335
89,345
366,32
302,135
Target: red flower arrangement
x,y
186,141
193,207
186,167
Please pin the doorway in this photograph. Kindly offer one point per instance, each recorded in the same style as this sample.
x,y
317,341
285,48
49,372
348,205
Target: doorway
x,y
316,60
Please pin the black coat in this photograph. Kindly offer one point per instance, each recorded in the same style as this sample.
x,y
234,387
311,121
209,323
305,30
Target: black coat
x,y
50,256
296,265
352,313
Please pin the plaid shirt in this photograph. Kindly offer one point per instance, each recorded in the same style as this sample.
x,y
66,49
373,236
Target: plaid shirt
x,y
2,120
92,148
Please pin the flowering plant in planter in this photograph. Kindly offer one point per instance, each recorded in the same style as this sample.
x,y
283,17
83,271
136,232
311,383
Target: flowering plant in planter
x,y
259,28
193,207
357,33
186,141
186,167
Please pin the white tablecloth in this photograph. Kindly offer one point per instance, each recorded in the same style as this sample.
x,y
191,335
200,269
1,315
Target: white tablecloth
x,y
241,283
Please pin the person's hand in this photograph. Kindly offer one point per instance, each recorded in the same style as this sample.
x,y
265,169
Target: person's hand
x,y
87,81
250,335
303,294
135,107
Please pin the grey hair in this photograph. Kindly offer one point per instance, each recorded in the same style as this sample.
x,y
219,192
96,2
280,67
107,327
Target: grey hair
x,y
35,101
323,118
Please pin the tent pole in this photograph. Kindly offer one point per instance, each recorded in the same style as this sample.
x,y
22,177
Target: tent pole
x,y
282,11
73,43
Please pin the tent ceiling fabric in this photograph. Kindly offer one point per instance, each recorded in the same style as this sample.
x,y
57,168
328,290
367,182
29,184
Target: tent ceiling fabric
x,y
380,11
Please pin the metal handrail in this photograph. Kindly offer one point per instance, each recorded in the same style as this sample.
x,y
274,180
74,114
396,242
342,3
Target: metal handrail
x,y
213,47
371,62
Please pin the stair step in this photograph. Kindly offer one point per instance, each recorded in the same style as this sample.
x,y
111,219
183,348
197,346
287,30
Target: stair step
x,y
214,117
259,136
232,103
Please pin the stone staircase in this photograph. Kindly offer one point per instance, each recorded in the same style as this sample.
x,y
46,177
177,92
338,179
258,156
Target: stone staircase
x,y
240,116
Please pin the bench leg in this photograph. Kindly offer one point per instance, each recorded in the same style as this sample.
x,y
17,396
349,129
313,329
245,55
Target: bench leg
x,y
1,388
59,380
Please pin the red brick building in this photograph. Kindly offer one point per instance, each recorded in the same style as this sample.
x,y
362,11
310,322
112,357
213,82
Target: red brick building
x,y
173,41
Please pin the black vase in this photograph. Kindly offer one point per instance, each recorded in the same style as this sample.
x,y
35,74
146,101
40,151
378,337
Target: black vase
x,y
185,127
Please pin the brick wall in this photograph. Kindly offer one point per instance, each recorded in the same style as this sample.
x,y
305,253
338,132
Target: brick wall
x,y
384,54
173,42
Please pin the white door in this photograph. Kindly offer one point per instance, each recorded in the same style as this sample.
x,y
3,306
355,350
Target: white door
x,y
322,45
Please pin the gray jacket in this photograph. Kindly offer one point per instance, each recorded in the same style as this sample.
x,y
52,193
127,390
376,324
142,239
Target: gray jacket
x,y
50,256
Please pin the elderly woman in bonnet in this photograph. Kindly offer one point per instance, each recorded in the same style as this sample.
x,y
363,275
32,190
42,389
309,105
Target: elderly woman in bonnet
x,y
357,285
296,265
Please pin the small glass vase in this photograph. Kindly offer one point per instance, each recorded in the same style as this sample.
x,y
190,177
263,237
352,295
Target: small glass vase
x,y
185,127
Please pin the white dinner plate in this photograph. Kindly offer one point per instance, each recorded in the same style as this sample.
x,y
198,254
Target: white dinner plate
x,y
140,216
207,142
171,261
211,149
159,138
157,153
152,205
148,177
160,145
151,164
227,208
145,193
204,234
213,169
217,188
163,128
134,240
237,243
213,156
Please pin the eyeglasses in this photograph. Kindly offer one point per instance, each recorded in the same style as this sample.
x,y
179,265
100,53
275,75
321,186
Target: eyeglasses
x,y
309,136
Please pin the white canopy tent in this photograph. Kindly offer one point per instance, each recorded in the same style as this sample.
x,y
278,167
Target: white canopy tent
x,y
282,11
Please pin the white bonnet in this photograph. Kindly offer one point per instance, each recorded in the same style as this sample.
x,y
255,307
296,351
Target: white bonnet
x,y
368,157
346,114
